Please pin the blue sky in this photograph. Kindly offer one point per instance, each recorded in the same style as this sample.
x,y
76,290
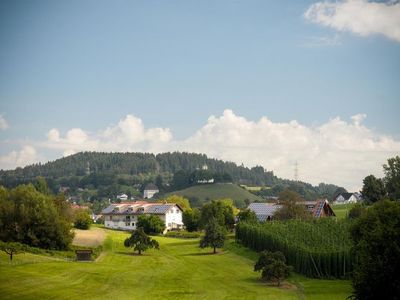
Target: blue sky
x,y
173,64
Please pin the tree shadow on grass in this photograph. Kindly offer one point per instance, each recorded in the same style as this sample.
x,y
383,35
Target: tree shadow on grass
x,y
201,254
130,253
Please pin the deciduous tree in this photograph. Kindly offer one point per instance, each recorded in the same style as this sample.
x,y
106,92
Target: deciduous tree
x,y
215,235
272,266
140,241
376,238
151,224
373,189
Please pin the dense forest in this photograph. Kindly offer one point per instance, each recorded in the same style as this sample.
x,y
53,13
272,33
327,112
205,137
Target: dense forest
x,y
99,175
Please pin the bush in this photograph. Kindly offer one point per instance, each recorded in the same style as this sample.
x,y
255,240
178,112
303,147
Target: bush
x,y
82,220
183,234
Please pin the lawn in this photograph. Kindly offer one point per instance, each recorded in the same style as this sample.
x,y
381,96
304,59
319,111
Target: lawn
x,y
179,270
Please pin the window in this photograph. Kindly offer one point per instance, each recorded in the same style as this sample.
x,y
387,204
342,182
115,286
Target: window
x,y
177,211
110,218
133,224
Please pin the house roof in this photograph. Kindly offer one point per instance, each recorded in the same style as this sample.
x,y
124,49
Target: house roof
x,y
264,210
151,187
346,196
139,207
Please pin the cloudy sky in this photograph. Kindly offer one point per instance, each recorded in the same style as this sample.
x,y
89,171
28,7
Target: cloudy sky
x,y
255,82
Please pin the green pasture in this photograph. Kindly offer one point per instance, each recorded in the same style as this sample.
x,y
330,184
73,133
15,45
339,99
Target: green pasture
x,y
179,270
342,210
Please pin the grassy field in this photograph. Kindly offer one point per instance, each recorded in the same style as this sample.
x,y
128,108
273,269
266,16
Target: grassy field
x,y
207,192
342,210
179,270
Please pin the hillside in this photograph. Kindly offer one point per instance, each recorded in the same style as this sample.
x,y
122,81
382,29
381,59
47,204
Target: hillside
x,y
200,194
101,176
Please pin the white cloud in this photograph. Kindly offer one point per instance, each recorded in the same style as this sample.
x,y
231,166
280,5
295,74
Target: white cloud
x,y
3,123
336,152
128,135
26,156
362,17
339,151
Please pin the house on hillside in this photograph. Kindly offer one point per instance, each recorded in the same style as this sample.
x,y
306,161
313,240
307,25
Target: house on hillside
x,y
150,190
122,197
345,198
266,211
125,215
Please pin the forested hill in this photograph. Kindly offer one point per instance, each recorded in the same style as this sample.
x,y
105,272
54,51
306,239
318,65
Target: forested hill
x,y
99,168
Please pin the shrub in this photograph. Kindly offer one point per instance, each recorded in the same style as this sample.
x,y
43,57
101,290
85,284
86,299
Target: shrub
x,y
183,234
82,220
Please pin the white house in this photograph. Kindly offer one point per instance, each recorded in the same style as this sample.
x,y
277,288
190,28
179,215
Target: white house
x,y
150,190
125,215
122,197
345,198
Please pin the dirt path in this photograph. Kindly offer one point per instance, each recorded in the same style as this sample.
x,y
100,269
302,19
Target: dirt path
x,y
90,238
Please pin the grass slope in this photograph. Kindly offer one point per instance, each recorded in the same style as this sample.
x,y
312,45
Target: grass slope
x,y
180,270
207,192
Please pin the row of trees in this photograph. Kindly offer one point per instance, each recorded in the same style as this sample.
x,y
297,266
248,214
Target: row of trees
x,y
107,174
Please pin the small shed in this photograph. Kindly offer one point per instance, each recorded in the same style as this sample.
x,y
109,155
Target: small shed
x,y
84,255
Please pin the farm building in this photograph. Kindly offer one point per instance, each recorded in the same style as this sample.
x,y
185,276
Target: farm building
x,y
125,215
345,198
150,190
266,211
319,208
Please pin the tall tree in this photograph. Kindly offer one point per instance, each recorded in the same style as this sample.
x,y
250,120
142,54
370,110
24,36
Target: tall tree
x,y
191,219
29,217
292,207
376,238
392,177
215,235
41,186
222,211
140,241
373,189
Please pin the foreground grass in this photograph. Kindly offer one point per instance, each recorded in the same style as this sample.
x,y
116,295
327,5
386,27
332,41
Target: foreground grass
x,y
180,270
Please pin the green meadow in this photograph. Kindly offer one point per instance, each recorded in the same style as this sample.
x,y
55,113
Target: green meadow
x,y
179,270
